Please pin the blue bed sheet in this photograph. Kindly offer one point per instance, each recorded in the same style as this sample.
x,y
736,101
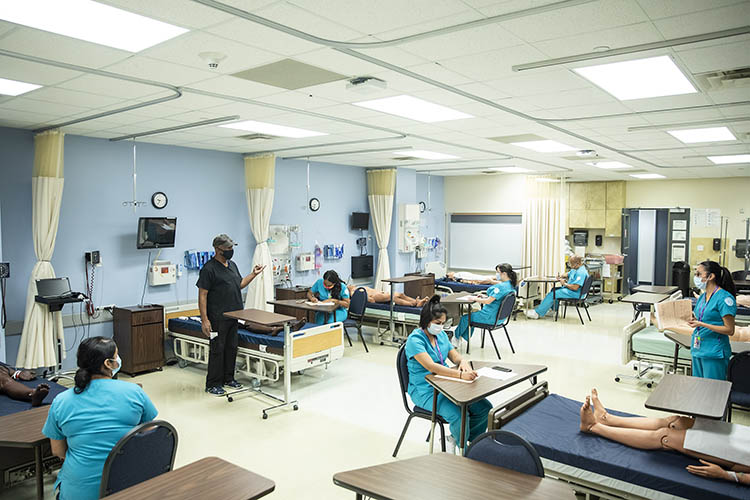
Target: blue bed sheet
x,y
552,426
396,308
460,287
9,406
175,324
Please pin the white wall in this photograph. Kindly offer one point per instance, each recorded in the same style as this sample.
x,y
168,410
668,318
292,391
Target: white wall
x,y
485,193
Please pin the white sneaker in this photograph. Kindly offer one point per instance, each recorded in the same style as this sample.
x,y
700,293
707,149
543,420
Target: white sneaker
x,y
531,314
450,445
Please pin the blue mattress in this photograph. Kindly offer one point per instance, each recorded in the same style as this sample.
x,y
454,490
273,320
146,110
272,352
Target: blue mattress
x,y
396,308
180,325
457,286
552,426
9,406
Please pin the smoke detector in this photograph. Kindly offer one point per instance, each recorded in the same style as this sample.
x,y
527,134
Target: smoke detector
x,y
366,85
212,59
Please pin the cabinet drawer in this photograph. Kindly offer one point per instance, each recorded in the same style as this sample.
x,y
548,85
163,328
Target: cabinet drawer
x,y
147,344
146,317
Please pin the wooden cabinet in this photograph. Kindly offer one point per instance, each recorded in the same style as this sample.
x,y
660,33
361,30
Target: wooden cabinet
x,y
297,292
139,334
613,224
596,205
595,219
577,218
596,196
577,197
422,288
616,196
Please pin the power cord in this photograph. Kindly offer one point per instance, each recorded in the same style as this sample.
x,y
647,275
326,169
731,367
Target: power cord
x,y
3,313
145,279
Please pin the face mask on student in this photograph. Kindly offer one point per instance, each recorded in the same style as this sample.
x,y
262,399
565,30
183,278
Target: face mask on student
x,y
119,365
699,283
497,277
434,328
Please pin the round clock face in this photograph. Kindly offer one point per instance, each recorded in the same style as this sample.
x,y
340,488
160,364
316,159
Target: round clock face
x,y
422,207
314,204
159,200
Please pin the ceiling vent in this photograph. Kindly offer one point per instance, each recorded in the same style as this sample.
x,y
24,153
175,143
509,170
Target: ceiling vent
x,y
722,80
490,172
257,137
366,85
406,158
289,74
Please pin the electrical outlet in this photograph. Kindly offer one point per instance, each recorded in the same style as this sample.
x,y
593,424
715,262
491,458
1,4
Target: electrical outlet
x,y
4,269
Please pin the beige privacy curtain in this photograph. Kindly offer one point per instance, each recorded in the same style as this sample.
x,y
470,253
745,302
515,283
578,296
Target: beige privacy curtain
x,y
544,226
381,186
41,328
259,180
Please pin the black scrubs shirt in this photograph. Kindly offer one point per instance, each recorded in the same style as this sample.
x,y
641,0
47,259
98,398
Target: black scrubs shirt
x,y
223,284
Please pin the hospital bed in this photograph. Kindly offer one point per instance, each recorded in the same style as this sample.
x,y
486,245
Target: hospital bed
x,y
261,357
405,319
651,350
602,467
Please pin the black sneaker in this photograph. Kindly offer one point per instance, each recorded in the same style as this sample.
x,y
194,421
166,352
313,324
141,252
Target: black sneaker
x,y
216,391
233,384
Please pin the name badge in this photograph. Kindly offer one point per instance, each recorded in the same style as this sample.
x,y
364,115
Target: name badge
x,y
696,342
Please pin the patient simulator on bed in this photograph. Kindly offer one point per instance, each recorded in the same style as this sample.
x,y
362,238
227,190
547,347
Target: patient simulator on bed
x,y
472,279
11,387
399,298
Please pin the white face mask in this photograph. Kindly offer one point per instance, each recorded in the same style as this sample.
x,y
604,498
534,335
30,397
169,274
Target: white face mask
x,y
434,329
699,282
497,277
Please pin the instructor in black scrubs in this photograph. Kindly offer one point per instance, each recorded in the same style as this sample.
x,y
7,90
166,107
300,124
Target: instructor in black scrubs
x,y
219,291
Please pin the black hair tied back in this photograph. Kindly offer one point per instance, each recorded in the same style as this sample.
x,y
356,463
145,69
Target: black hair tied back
x,y
431,310
92,352
333,277
508,269
723,276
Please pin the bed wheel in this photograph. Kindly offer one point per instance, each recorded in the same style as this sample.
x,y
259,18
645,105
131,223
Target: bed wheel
x,y
265,415
617,379
610,301
382,343
230,398
295,407
649,385
182,363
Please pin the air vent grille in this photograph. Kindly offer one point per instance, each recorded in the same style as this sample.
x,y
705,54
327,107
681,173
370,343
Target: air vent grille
x,y
257,137
721,80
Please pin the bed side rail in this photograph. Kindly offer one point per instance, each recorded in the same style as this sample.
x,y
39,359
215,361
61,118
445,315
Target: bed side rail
x,y
510,409
317,339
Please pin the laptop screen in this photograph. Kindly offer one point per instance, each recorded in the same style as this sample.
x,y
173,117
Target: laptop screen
x,y
52,287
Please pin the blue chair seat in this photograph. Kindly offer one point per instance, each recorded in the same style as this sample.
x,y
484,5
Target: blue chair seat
x,y
740,398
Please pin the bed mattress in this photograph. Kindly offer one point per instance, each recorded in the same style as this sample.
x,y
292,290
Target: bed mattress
x,y
396,308
552,426
9,406
461,287
651,341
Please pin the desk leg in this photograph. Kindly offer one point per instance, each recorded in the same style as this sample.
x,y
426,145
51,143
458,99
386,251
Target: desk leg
x,y
358,496
468,341
287,401
390,321
39,472
676,356
432,419
462,439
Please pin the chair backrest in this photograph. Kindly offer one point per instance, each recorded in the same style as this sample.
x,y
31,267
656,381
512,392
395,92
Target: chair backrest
x,y
738,372
586,287
403,374
505,309
358,303
143,453
675,296
508,450
631,285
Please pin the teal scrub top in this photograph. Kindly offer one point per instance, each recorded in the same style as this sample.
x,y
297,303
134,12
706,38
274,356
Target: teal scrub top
x,y
577,277
419,390
712,344
341,312
497,292
93,422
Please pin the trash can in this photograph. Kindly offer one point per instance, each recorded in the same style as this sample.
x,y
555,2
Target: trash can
x,y
681,277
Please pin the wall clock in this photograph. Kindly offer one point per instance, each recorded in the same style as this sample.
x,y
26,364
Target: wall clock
x,y
422,207
314,204
159,200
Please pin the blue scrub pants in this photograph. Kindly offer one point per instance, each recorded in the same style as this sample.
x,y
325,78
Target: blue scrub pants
x,y
476,417
715,368
560,293
463,329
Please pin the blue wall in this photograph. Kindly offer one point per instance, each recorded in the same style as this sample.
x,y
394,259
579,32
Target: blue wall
x,y
433,219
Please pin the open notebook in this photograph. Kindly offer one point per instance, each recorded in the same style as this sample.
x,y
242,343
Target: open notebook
x,y
673,313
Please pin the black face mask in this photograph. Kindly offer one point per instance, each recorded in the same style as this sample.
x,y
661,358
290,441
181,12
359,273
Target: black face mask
x,y
228,253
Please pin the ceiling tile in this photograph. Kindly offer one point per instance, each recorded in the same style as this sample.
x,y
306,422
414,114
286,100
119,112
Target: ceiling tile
x,y
161,71
720,57
706,21
309,22
494,65
101,85
464,42
232,86
583,43
335,61
44,107
261,37
18,69
179,12
656,9
82,99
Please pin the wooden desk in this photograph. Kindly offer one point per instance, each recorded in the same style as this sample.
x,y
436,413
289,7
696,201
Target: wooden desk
x,y
393,282
24,430
445,476
463,394
207,478
258,316
546,280
669,290
296,292
327,309
685,340
645,298
694,396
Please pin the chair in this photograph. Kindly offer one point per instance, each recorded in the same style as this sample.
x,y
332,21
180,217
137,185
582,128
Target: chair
x,y
738,374
508,450
403,380
501,321
145,452
357,306
638,309
579,301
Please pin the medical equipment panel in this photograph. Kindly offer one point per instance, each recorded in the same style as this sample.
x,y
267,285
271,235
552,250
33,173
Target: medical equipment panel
x,y
408,227
282,268
305,262
333,251
162,272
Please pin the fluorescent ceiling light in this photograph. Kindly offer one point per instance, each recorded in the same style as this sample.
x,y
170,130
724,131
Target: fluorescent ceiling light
x,y
545,146
413,108
512,170
638,79
426,155
90,21
611,165
546,179
647,176
727,159
272,129
12,87
712,134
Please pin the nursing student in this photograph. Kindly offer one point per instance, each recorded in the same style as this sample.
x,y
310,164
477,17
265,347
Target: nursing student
x,y
713,321
507,280
570,288
427,351
330,289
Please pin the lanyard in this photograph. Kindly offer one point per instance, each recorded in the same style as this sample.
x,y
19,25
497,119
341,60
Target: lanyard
x,y
437,348
705,304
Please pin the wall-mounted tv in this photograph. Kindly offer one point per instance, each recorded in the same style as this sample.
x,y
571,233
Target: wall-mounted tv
x,y
156,232
360,220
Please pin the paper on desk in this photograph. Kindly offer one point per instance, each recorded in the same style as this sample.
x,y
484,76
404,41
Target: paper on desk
x,y
466,298
495,374
309,303
455,379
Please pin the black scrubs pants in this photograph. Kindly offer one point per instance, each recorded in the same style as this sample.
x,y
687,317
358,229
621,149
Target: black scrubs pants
x,y
222,353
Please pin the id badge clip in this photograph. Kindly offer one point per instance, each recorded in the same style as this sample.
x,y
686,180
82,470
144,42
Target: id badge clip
x,y
696,342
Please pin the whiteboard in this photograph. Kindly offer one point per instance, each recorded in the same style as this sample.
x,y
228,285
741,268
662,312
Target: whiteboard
x,y
483,241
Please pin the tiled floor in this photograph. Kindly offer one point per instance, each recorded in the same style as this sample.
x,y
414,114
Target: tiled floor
x,y
351,414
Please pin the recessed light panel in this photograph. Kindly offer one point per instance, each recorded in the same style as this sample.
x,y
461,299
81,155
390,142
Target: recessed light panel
x,y
512,170
425,155
639,79
547,179
713,134
12,87
90,21
414,109
545,146
272,129
648,176
611,165
727,159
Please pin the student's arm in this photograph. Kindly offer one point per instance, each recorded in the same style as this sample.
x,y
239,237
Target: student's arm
x,y
456,359
426,361
59,447
726,329
205,323
486,300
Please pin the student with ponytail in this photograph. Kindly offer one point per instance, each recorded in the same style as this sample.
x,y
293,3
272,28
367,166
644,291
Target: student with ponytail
x,y
85,423
427,350
330,289
508,279
713,321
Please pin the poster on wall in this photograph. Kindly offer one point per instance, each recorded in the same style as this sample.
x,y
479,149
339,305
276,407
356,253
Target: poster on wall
x,y
706,217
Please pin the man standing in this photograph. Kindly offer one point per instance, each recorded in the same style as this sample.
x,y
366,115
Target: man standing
x,y
219,291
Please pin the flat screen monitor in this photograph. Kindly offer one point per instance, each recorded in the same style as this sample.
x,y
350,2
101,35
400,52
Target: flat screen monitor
x,y
156,232
360,220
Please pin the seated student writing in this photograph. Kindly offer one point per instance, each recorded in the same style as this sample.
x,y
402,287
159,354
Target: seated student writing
x,y
723,448
570,288
427,350
377,297
506,283
86,422
10,386
330,289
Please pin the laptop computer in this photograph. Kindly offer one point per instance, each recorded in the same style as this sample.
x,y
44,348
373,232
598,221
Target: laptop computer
x,y
53,288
